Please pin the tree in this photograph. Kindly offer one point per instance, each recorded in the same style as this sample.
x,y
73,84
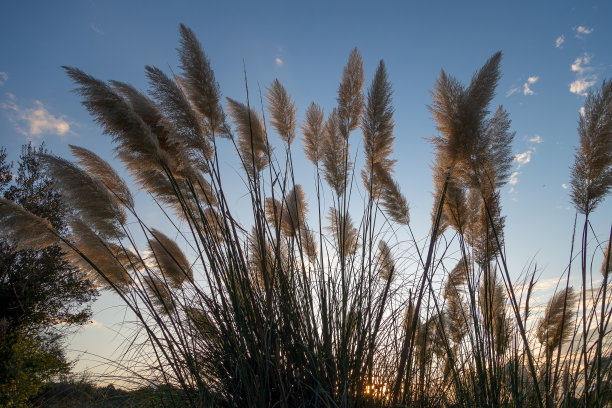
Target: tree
x,y
41,295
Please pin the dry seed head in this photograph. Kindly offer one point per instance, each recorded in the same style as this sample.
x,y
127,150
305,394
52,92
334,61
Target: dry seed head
x,y
88,196
336,165
252,138
189,123
312,129
591,174
99,260
344,232
377,124
198,82
386,264
282,111
350,97
24,229
99,169
170,259
554,327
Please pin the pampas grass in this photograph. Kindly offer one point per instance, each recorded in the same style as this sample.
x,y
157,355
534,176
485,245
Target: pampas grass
x,y
290,309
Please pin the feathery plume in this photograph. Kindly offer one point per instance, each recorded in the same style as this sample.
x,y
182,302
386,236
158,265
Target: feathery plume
x,y
252,138
377,123
282,111
492,299
99,260
159,293
386,264
554,327
88,196
171,260
308,242
189,123
135,140
24,229
198,82
456,307
591,174
344,232
99,169
171,150
289,216
393,200
313,131
460,112
350,97
336,165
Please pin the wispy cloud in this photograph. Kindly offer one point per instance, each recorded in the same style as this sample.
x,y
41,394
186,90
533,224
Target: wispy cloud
x,y
559,41
35,121
585,77
96,29
526,86
3,78
582,31
523,158
536,139
514,178
279,62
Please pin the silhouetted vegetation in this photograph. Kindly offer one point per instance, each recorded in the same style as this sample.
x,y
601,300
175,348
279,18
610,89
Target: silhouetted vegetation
x,y
330,301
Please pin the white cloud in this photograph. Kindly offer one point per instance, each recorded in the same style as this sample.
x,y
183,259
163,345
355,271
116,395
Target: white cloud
x,y
36,121
564,186
525,89
3,78
526,86
523,158
513,91
279,62
581,31
581,111
93,323
578,65
580,86
559,41
585,78
536,139
514,179
96,29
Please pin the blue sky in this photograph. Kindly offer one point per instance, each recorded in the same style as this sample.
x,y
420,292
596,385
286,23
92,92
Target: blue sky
x,y
553,52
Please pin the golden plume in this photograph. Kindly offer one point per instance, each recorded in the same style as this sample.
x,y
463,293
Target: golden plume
x,y
170,259
282,111
591,174
386,264
99,169
312,129
88,196
24,229
344,232
198,82
554,327
252,138
350,98
334,155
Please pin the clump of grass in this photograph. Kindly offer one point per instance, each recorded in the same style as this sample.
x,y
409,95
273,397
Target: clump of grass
x,y
294,307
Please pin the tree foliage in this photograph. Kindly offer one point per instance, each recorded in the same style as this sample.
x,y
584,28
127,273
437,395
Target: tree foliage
x,y
41,295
